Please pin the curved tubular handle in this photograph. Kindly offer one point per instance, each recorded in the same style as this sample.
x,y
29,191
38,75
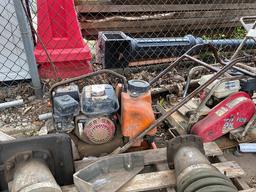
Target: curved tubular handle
x,y
247,27
188,56
87,76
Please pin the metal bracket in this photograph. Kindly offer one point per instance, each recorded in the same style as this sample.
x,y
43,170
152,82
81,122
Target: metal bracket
x,y
251,33
54,149
185,140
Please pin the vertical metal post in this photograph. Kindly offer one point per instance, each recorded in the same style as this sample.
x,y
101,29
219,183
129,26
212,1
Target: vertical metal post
x,y
28,46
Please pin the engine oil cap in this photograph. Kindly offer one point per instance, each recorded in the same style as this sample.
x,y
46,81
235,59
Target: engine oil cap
x,y
136,86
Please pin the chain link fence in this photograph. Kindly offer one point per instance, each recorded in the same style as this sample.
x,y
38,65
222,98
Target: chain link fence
x,y
13,61
136,38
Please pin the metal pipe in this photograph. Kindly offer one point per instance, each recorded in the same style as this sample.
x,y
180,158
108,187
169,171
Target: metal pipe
x,y
172,88
246,26
11,104
247,147
28,47
247,67
246,38
34,176
191,72
45,116
245,72
186,55
180,104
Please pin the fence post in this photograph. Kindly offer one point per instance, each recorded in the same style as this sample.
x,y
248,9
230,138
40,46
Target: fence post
x,y
28,46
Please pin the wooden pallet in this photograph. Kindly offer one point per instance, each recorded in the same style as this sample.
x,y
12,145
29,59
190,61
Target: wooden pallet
x,y
160,19
164,178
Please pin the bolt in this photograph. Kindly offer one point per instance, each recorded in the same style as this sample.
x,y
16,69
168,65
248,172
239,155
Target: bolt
x,y
59,140
45,156
9,166
26,157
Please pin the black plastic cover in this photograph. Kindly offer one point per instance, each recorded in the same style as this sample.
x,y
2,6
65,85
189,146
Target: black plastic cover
x,y
248,85
99,99
65,105
71,90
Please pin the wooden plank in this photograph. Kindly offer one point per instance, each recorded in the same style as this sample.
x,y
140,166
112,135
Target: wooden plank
x,y
230,168
175,120
238,182
163,167
212,149
155,2
234,14
163,179
150,181
155,26
249,190
156,23
72,188
166,178
171,21
163,29
69,188
162,7
154,156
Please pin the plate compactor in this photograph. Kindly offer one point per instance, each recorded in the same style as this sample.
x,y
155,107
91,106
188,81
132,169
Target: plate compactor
x,y
225,106
101,118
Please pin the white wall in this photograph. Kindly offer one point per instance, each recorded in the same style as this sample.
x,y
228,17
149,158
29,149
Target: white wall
x,y
13,61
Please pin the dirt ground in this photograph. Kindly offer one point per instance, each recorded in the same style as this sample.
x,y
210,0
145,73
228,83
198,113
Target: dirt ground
x,y
22,121
247,162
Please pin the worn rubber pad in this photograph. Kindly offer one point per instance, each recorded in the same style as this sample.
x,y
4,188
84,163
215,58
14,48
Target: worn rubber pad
x,y
217,188
196,175
207,182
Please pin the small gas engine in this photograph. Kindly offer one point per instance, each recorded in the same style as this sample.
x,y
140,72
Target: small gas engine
x,y
97,122
92,114
97,119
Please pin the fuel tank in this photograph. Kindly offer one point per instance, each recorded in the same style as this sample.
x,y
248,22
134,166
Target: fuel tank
x,y
136,110
232,113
